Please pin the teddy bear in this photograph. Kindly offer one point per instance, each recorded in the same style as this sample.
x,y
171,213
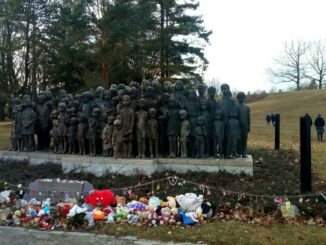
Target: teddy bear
x,y
189,201
172,204
105,198
167,216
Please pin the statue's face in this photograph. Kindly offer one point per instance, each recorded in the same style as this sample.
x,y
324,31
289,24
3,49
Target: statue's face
x,y
201,89
225,90
150,91
211,93
192,95
241,100
178,85
125,100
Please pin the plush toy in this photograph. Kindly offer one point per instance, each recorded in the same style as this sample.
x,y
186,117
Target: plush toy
x,y
75,210
64,209
98,214
144,200
121,213
189,201
153,219
153,203
133,218
121,200
135,205
207,210
172,204
167,216
105,198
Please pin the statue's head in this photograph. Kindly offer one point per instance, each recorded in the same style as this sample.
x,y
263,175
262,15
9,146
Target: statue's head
x,y
211,91
121,86
183,114
95,112
192,95
99,92
62,93
62,107
241,96
117,123
201,88
142,103
134,84
150,92
178,85
41,98
152,113
134,93
110,120
200,121
126,100
225,89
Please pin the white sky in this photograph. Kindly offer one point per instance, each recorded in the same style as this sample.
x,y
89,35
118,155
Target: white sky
x,y
248,34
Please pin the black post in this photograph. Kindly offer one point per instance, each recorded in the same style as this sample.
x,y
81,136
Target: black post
x,y
305,154
277,131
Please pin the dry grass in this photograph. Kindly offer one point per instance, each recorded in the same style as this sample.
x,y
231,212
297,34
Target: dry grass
x,y
290,106
5,135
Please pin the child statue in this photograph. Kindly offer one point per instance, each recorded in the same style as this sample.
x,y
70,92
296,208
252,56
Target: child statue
x,y
184,133
72,135
173,126
244,121
193,111
107,137
82,133
28,118
117,139
94,126
218,134
179,94
127,123
205,113
152,132
200,137
141,118
54,132
232,135
63,121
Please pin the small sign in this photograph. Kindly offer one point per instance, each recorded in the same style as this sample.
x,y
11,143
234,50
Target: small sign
x,y
59,190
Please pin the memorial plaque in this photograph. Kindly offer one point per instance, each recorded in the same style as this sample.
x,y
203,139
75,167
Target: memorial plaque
x,y
59,190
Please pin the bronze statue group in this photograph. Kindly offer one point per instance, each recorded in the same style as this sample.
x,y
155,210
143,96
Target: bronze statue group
x,y
140,120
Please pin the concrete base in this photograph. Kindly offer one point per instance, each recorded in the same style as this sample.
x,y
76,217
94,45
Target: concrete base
x,y
100,165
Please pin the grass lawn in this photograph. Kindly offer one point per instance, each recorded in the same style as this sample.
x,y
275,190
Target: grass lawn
x,y
5,128
291,106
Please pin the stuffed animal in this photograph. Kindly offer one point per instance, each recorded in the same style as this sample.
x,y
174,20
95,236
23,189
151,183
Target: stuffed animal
x,y
144,200
135,205
105,198
172,204
121,200
133,218
121,213
153,203
189,201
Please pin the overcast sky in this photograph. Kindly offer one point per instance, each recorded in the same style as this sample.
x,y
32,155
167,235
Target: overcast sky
x,y
248,34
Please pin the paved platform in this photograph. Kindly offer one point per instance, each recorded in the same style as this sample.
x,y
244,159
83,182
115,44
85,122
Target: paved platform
x,y
100,165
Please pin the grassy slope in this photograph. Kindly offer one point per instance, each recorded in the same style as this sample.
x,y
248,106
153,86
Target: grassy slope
x,y
290,106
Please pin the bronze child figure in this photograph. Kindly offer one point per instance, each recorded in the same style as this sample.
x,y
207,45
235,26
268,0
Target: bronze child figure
x,y
184,133
141,118
82,133
117,139
107,137
152,132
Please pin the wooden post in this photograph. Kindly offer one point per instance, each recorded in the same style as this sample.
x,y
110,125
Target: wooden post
x,y
277,131
305,154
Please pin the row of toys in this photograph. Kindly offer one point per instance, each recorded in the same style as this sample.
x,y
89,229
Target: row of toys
x,y
100,207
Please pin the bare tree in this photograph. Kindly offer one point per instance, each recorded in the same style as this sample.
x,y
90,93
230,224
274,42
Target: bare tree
x,y
291,65
317,63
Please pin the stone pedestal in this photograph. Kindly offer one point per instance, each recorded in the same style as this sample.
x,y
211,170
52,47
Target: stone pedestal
x,y
100,165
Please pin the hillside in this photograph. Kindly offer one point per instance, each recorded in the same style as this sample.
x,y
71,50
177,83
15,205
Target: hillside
x,y
290,106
